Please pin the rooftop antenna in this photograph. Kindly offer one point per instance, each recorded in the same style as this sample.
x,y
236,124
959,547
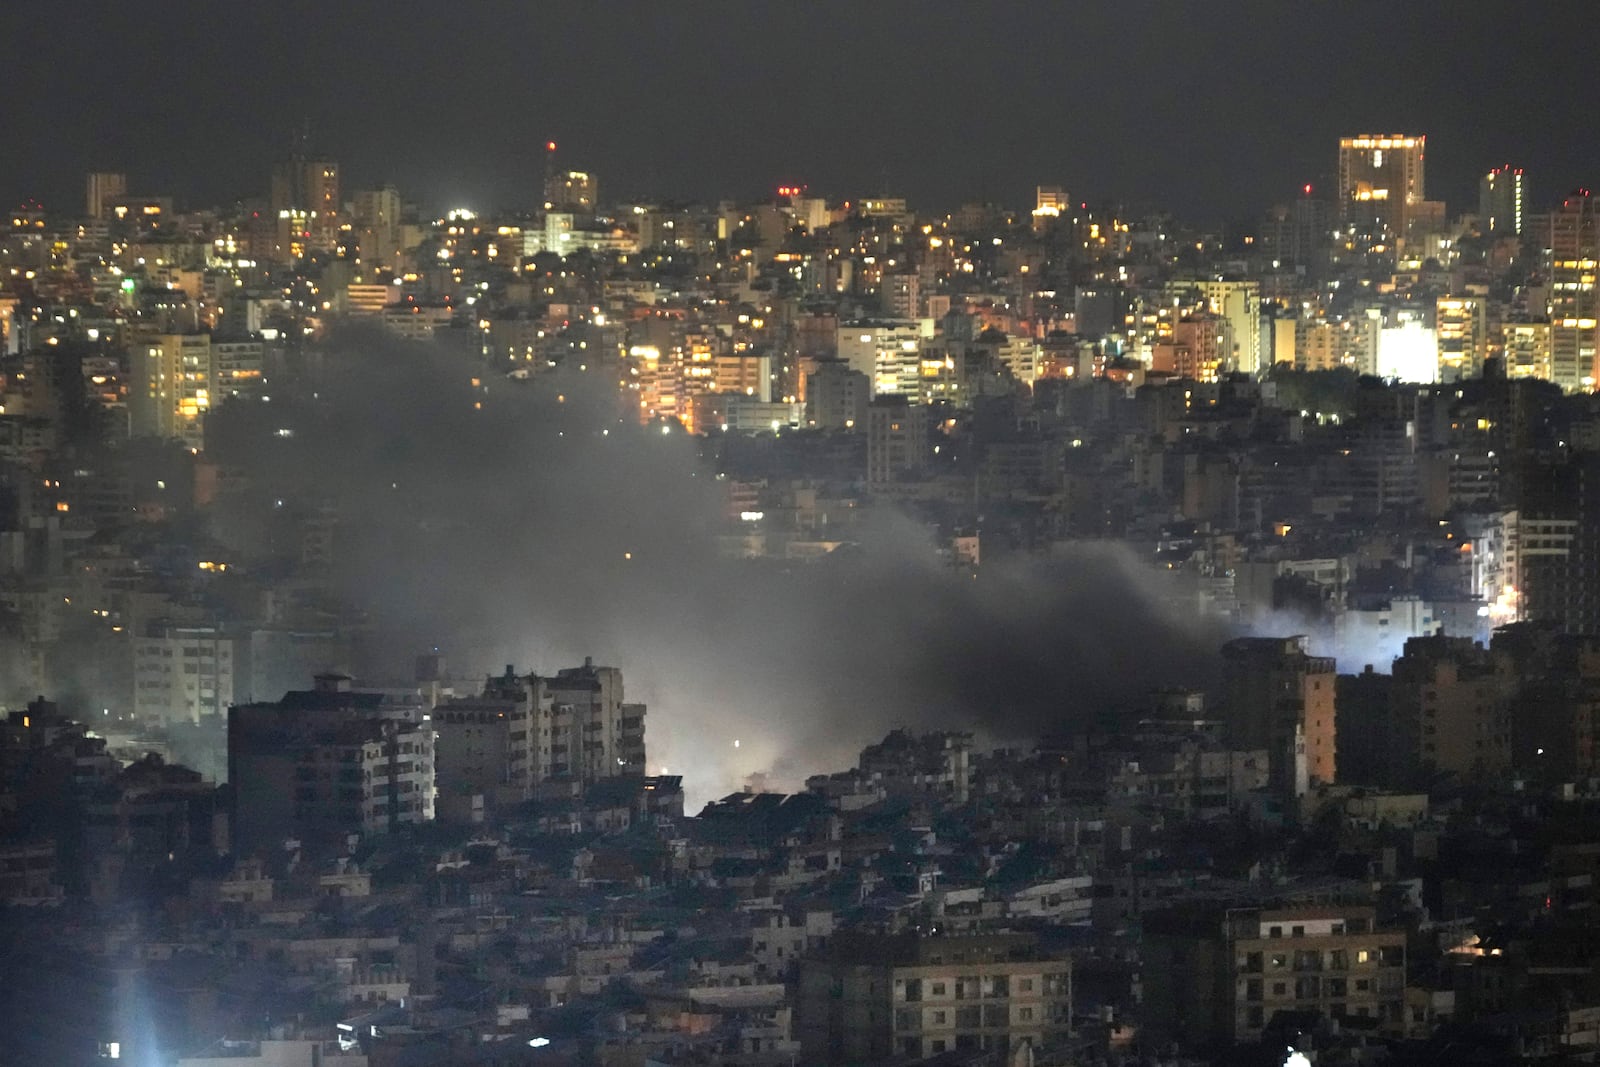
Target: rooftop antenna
x,y
549,173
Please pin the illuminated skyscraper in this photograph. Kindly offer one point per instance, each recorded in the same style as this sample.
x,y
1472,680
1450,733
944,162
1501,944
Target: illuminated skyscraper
x,y
1574,298
1500,200
1381,179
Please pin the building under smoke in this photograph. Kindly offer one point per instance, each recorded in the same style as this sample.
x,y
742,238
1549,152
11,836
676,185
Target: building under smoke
x,y
527,735
324,763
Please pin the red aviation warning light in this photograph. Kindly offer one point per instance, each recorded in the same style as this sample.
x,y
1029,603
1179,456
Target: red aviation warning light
x,y
549,146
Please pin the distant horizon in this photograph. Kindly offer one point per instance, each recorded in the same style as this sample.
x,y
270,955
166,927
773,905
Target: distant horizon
x,y
431,209
1213,119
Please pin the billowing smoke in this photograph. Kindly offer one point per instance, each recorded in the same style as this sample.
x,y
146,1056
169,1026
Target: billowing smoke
x,y
526,522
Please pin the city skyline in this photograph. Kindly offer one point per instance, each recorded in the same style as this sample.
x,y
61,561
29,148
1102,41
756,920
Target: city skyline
x,y
1217,117
1097,507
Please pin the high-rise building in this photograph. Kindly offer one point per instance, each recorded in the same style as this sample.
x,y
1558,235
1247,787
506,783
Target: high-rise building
x,y
1500,200
327,762
888,352
237,367
378,227
1236,303
1461,332
1279,697
881,998
305,200
1558,531
590,734
1451,706
1525,348
1295,233
1051,200
836,396
1381,179
491,744
170,387
1049,204
102,189
182,673
897,439
1217,975
574,191
902,295
305,185
1195,350
1574,243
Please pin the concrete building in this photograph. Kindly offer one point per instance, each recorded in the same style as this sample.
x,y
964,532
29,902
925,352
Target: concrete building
x,y
1451,706
1525,348
237,368
935,765
304,197
1500,201
327,762
183,673
489,745
1461,333
1195,350
588,733
573,191
897,440
837,396
170,387
275,660
1238,304
877,998
888,352
1382,179
102,189
1216,976
1279,697
377,220
1574,244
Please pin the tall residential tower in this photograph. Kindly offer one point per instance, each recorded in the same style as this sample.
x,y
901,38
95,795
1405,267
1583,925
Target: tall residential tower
x,y
1381,179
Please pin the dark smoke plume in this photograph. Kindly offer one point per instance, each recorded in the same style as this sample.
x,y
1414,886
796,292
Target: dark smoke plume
x,y
525,522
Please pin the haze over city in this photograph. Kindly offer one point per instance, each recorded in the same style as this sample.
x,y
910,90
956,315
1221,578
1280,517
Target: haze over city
x,y
743,535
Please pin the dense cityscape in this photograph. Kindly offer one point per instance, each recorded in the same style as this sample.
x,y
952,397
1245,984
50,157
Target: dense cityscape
x,y
1055,632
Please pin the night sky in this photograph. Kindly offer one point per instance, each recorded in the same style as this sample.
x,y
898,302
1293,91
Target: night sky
x,y
1214,110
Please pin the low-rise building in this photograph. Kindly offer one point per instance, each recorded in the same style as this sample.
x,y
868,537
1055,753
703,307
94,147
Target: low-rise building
x,y
873,998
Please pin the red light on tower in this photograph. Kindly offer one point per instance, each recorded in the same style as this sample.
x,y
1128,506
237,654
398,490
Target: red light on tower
x,y
1307,189
549,146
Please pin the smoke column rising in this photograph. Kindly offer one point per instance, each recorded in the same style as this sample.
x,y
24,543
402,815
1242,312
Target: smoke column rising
x,y
522,522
